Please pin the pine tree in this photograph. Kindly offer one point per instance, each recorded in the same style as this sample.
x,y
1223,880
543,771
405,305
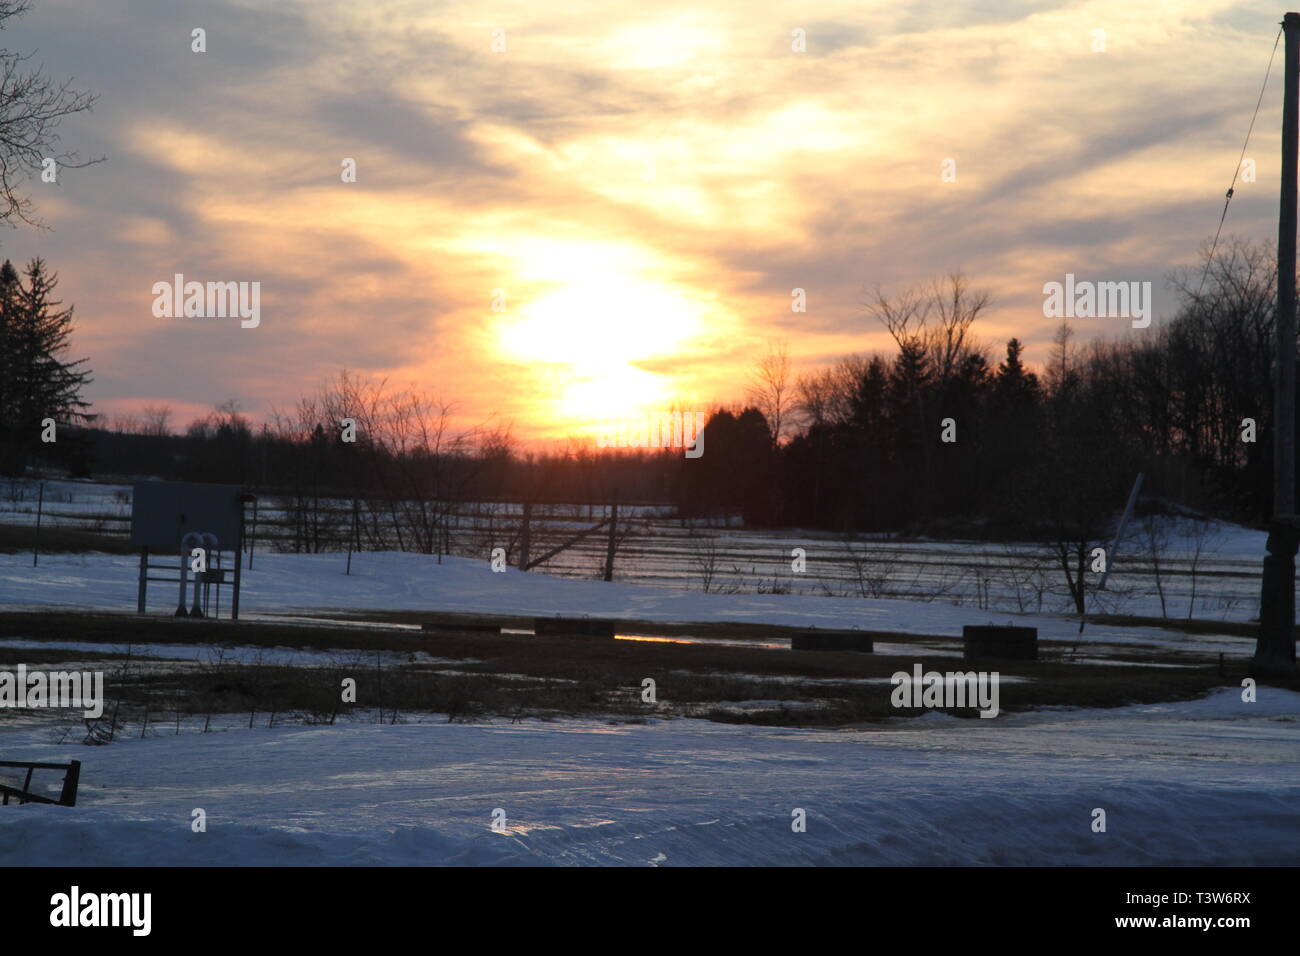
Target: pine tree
x,y
1014,443
36,379
1015,386
8,347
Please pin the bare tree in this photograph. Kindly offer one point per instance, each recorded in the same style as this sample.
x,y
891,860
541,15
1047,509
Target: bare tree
x,y
815,397
955,307
158,420
769,388
873,568
411,468
932,325
824,396
1157,541
1203,537
31,107
706,556
903,316
1026,573
1060,363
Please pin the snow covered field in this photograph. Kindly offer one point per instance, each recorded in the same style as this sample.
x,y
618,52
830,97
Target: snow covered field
x,y
311,583
1215,781
1166,567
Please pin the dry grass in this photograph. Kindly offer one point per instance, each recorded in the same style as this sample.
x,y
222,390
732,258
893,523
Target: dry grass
x,y
517,675
19,538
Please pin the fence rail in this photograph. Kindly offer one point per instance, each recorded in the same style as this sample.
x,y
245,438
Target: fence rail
x,y
655,546
24,794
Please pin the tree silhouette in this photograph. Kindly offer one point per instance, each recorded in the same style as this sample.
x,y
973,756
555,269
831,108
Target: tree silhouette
x,y
36,380
32,105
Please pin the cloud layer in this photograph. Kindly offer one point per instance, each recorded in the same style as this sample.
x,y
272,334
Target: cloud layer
x,y
636,188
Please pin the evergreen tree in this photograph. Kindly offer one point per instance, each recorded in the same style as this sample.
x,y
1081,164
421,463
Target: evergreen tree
x,y
1013,444
9,333
1015,386
37,380
910,403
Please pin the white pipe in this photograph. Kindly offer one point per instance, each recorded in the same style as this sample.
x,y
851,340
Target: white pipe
x,y
186,540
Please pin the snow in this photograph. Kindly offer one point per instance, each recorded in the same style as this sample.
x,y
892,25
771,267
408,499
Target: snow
x,y
1211,781
1208,781
1209,567
232,653
285,584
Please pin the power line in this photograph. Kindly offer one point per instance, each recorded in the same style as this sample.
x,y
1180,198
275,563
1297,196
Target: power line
x,y
1237,171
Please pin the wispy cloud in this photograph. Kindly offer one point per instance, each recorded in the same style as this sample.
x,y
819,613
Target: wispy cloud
x,y
647,185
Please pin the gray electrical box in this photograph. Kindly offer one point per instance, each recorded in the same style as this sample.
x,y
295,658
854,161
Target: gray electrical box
x,y
162,512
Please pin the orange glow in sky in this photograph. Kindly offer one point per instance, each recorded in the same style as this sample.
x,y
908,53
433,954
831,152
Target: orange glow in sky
x,y
644,186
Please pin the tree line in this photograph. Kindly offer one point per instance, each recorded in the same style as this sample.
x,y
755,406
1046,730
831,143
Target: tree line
x,y
934,437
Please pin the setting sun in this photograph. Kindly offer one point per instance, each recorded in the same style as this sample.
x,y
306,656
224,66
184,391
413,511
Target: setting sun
x,y
588,334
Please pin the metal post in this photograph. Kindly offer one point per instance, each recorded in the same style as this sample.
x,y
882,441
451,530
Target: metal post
x,y
352,540
525,536
181,610
196,610
40,507
234,595
252,541
1275,647
144,581
1119,532
613,531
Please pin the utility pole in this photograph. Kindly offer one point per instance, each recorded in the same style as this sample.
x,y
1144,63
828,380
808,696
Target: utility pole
x,y
1284,397
1275,648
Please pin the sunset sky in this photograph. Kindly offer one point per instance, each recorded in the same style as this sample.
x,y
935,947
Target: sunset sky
x,y
646,183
